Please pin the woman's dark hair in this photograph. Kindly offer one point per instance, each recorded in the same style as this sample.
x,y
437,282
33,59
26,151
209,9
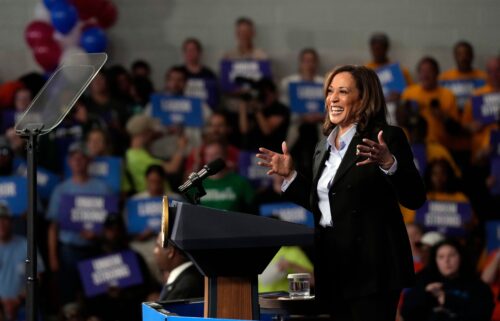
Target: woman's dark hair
x,y
465,269
372,110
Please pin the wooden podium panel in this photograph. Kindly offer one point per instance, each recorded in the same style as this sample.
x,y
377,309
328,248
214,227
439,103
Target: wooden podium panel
x,y
231,298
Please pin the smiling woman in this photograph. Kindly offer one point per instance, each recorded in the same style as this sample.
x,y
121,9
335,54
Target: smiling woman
x,y
362,169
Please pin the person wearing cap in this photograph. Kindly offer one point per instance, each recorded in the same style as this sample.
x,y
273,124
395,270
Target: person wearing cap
x,y
12,267
66,248
427,241
142,130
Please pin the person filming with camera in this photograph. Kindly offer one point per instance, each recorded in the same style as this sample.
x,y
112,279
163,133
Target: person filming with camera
x,y
262,118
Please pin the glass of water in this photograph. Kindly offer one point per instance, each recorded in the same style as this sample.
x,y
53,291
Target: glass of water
x,y
299,285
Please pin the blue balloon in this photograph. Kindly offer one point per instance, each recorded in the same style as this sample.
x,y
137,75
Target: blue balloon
x,y
50,3
93,40
64,17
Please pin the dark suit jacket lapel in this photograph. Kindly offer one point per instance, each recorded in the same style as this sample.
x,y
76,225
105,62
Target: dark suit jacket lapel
x,y
320,157
349,159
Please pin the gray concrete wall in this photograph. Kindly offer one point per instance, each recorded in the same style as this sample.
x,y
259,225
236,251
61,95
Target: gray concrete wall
x,y
154,29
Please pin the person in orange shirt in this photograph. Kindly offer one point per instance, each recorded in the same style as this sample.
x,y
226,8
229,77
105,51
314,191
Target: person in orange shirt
x,y
463,79
481,132
436,104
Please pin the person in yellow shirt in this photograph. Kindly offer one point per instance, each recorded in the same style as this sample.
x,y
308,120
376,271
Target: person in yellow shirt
x,y
436,104
463,79
481,132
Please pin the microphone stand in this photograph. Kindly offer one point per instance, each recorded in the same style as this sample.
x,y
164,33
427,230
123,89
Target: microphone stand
x,y
194,193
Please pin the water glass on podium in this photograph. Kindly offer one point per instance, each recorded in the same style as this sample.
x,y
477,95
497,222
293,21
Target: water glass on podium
x,y
299,285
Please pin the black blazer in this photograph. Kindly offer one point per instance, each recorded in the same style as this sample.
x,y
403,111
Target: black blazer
x,y
189,284
368,243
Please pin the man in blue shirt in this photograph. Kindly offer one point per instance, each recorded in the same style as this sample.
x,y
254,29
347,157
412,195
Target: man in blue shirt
x,y
68,247
12,267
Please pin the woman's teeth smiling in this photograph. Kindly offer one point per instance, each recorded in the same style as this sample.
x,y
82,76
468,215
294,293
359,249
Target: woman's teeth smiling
x,y
336,110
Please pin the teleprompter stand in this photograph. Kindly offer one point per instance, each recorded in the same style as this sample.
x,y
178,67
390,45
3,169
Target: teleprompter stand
x,y
48,109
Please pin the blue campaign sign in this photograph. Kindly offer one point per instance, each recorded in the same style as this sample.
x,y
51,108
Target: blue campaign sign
x,y
120,270
445,217
46,180
306,97
14,192
391,78
419,157
486,108
495,172
205,89
143,214
7,119
86,212
249,169
246,69
462,89
289,212
177,110
492,235
495,143
108,169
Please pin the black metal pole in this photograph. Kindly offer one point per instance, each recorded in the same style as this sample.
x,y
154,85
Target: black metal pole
x,y
31,261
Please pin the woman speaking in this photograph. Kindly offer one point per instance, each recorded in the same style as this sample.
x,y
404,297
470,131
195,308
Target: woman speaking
x,y
361,170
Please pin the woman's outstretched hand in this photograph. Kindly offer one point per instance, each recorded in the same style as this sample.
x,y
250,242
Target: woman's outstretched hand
x,y
279,164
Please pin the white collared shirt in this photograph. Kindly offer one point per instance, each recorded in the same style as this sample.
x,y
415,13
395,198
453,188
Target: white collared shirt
x,y
331,166
174,274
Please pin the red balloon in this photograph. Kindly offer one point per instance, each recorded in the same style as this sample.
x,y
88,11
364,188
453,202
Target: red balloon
x,y
88,8
108,15
47,55
38,32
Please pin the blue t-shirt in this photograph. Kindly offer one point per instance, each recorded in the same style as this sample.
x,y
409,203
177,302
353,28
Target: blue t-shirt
x,y
68,187
13,267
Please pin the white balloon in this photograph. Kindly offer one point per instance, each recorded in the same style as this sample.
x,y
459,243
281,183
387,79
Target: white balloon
x,y
71,39
41,12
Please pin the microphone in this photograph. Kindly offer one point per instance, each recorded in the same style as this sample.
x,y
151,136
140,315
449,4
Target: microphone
x,y
208,170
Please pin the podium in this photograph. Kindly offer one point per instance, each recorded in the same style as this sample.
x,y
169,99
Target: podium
x,y
230,249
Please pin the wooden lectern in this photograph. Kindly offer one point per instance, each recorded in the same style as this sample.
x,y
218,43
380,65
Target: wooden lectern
x,y
230,249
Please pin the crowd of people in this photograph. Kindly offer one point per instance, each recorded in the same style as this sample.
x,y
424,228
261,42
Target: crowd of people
x,y
116,119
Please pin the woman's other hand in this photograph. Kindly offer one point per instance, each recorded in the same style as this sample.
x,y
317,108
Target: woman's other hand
x,y
279,164
375,152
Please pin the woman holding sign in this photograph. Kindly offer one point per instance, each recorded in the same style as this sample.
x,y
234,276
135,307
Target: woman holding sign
x,y
362,169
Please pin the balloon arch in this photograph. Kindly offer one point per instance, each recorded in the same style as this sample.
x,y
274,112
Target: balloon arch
x,y
65,27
